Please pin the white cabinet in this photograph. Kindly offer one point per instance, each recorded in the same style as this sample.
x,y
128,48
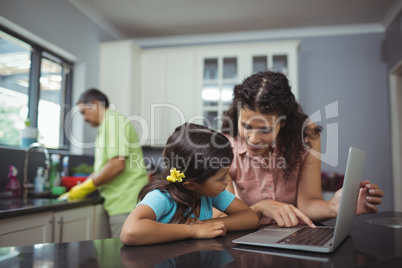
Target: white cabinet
x,y
119,75
73,224
166,87
153,97
54,227
26,230
101,223
167,95
221,67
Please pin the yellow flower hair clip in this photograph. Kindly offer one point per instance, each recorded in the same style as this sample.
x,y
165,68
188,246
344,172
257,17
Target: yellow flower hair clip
x,y
175,176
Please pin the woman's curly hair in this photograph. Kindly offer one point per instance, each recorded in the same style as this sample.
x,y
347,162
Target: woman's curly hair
x,y
268,92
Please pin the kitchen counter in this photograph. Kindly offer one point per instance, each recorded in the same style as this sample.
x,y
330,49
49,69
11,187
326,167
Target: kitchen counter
x,y
18,207
369,245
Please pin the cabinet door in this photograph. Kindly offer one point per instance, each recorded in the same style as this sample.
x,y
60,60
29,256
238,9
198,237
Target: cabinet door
x,y
181,88
26,230
153,98
101,224
220,68
119,76
168,92
74,224
220,71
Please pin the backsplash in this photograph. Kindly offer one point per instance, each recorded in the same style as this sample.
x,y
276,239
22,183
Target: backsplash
x,y
16,157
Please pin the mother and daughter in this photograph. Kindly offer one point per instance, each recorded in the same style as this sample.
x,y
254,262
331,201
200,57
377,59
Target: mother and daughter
x,y
207,169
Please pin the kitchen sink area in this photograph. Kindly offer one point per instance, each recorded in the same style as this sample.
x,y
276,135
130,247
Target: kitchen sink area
x,y
32,217
28,201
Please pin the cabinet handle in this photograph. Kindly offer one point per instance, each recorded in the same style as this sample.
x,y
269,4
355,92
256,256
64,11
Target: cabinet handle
x,y
61,229
53,228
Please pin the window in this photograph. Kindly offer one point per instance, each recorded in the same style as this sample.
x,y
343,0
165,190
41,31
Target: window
x,y
220,75
35,87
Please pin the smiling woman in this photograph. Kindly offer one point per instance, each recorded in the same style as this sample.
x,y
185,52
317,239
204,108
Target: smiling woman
x,y
35,86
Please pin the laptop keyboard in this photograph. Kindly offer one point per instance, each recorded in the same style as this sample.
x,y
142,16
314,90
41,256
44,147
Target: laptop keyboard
x,y
308,236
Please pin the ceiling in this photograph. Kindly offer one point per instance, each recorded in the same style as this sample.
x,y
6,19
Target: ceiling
x,y
161,18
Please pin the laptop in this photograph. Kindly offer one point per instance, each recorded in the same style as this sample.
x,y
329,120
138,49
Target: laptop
x,y
324,239
345,255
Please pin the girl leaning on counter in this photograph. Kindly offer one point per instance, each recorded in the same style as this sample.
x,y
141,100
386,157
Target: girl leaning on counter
x,y
178,205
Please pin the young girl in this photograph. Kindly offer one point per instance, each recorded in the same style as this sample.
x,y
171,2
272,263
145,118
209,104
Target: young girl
x,y
273,169
178,205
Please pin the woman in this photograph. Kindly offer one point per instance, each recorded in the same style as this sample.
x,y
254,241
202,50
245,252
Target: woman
x,y
274,169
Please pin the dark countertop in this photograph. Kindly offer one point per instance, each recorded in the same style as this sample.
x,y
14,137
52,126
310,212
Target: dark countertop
x,y
369,245
19,207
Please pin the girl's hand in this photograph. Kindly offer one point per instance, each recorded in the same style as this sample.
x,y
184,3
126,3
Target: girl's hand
x,y
208,229
284,214
369,197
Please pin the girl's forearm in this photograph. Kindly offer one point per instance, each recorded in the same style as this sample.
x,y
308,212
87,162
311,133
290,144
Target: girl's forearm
x,y
145,232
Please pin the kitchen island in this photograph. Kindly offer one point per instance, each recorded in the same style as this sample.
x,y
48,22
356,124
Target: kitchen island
x,y
369,245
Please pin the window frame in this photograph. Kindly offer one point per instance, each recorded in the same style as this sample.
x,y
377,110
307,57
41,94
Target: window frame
x,y
38,53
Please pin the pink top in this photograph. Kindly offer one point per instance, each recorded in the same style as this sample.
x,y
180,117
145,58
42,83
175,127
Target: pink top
x,y
260,178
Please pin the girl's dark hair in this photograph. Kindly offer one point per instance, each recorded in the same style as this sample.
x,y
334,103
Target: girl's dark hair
x,y
93,94
198,152
267,92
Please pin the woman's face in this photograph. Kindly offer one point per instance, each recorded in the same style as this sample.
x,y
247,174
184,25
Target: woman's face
x,y
259,130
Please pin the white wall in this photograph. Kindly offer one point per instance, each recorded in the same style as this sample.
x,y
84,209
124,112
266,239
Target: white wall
x,y
393,57
351,70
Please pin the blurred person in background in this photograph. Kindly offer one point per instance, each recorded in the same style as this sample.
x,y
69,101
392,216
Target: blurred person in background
x,y
117,177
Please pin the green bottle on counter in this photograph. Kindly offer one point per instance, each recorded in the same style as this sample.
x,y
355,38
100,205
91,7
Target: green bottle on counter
x,y
54,178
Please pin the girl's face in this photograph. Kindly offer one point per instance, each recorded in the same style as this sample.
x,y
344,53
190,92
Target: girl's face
x,y
214,185
259,130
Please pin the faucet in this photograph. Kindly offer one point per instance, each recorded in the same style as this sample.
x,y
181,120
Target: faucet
x,y
28,150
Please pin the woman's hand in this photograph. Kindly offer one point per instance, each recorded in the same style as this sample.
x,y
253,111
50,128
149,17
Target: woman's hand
x,y
284,214
369,197
203,230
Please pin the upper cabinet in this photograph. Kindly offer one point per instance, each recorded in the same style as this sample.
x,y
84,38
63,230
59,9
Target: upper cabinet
x,y
161,89
119,75
167,93
222,67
